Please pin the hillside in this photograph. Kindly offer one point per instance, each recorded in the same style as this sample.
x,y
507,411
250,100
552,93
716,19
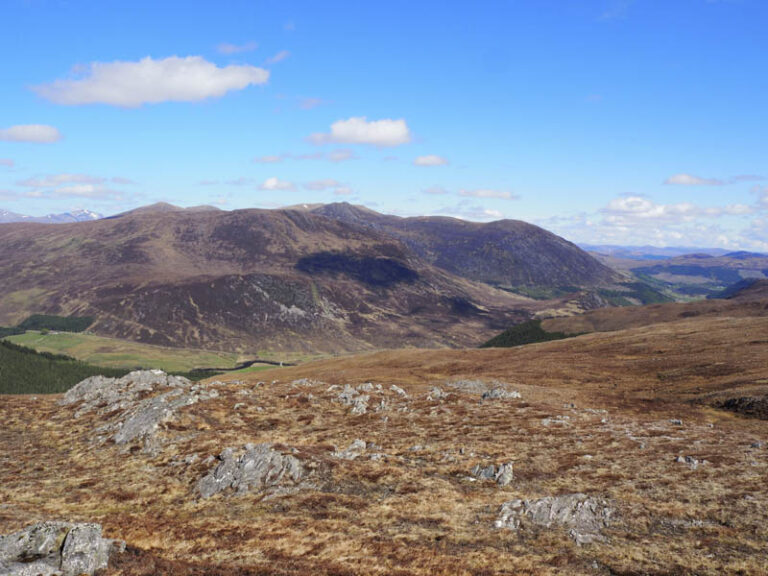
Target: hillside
x,y
248,280
507,253
637,451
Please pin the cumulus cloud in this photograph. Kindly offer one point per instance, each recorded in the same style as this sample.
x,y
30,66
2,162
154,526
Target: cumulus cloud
x,y
68,185
39,133
7,162
227,48
358,130
430,160
279,57
274,183
149,81
634,209
488,194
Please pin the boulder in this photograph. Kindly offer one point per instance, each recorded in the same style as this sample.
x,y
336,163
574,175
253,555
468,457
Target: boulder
x,y
56,548
500,394
355,449
584,516
260,468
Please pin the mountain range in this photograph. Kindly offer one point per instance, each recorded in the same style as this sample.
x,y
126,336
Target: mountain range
x,y
331,278
65,217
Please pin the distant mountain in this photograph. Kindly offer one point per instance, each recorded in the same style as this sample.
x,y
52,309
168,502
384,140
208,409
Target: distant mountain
x,y
649,252
7,217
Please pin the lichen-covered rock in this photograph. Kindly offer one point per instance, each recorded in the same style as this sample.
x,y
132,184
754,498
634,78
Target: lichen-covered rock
x,y
56,548
436,393
583,515
260,468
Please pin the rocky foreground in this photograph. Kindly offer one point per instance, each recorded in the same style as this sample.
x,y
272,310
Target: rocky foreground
x,y
447,462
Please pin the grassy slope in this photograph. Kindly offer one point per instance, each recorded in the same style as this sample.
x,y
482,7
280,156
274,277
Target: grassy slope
x,y
416,512
116,353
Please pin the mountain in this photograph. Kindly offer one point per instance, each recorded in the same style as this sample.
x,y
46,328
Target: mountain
x,y
649,252
507,253
74,216
697,274
270,280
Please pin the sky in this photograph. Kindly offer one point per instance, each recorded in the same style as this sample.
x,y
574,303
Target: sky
x,y
627,122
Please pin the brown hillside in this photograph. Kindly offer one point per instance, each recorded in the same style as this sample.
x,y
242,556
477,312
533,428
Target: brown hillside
x,y
605,414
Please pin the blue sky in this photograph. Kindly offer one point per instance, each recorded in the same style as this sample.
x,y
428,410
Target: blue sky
x,y
606,121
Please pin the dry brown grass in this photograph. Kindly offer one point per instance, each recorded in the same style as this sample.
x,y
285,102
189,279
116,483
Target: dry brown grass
x,y
416,512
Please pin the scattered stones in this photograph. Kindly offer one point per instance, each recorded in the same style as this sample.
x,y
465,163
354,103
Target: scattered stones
x,y
502,475
500,394
355,449
259,469
583,515
350,396
676,422
56,548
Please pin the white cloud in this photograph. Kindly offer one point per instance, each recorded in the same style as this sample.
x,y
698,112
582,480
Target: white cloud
x,y
227,48
276,184
53,180
323,184
359,130
39,133
148,81
488,194
468,211
67,185
430,160
279,57
631,210
269,159
7,162
341,155
435,191
343,191
310,103
690,180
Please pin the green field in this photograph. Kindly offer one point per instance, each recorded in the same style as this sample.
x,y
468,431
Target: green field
x,y
115,353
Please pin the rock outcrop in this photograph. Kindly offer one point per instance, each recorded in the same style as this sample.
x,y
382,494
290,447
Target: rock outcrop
x,y
135,405
583,515
260,468
56,549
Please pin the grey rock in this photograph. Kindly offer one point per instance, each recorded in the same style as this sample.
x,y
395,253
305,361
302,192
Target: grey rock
x,y
584,516
436,393
692,462
259,469
500,394
56,548
399,391
355,449
502,475
758,445
350,396
676,422
148,414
